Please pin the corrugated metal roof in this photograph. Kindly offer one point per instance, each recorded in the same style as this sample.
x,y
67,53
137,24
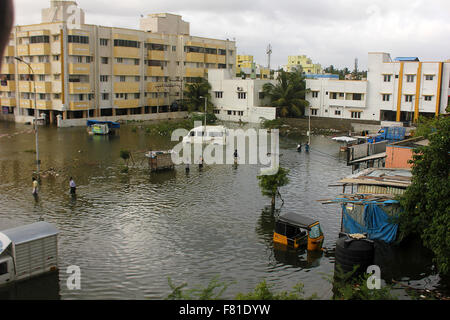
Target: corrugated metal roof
x,y
30,232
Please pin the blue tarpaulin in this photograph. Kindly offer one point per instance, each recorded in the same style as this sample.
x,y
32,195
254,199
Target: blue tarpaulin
x,y
377,223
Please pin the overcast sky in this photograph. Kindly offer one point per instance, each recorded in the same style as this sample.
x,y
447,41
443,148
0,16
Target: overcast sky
x,y
329,31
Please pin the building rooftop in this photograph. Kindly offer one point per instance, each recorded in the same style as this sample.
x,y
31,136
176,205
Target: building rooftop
x,y
406,59
381,176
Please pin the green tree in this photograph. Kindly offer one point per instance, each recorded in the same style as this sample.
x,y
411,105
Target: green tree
x,y
288,94
270,184
193,91
426,201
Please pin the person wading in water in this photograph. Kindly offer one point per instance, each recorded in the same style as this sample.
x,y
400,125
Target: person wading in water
x,y
73,187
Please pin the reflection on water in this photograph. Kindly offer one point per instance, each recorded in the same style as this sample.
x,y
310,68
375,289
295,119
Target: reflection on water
x,y
129,232
45,287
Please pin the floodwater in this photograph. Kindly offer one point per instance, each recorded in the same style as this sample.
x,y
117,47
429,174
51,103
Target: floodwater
x,y
130,232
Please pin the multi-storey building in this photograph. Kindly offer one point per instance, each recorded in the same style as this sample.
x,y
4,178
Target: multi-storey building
x,y
84,70
246,66
395,90
304,64
237,99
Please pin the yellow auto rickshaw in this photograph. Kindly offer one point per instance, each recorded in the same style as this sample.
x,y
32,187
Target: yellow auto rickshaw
x,y
294,230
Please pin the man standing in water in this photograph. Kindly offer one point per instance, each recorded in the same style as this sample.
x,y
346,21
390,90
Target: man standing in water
x,y
73,187
35,187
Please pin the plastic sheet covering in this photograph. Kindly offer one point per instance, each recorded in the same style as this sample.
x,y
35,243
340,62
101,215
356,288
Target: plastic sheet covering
x,y
377,223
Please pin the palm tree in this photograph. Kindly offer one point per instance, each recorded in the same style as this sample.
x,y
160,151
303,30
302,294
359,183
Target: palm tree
x,y
192,93
288,95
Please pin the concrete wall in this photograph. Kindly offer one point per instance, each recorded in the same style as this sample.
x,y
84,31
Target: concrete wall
x,y
137,117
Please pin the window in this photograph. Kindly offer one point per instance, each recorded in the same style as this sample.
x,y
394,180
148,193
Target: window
x,y
137,95
79,59
137,78
136,62
315,94
57,96
387,78
119,60
103,78
222,52
333,95
410,78
429,77
242,95
39,39
261,95
314,112
240,113
337,112
219,94
56,37
216,111
229,112
357,96
41,77
356,114
122,78
103,42
56,58
41,96
174,48
386,97
408,97
78,39
126,43
105,96
104,60
427,98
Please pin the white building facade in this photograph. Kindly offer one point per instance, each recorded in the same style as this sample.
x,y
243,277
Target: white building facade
x,y
238,99
398,90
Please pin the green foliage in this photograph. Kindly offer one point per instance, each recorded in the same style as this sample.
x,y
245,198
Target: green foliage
x,y
346,286
213,291
210,118
263,292
192,93
125,155
270,184
288,95
426,202
273,124
426,126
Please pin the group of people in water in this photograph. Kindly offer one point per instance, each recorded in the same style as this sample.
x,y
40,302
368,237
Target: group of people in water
x,y
299,147
72,186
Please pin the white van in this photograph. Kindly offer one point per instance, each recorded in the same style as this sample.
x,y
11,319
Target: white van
x,y
207,134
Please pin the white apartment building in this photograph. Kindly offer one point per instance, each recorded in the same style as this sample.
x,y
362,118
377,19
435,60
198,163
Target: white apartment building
x,y
395,90
238,99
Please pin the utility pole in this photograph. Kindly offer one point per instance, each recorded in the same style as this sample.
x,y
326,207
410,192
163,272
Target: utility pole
x,y
35,116
269,53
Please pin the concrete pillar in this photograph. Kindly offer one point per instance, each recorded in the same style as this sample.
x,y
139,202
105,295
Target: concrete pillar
x,y
113,111
85,112
51,117
64,115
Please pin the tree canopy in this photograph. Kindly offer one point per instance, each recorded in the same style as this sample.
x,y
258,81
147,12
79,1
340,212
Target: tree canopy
x,y
288,94
426,201
192,93
270,184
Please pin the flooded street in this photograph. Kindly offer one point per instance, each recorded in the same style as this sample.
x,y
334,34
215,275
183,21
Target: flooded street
x,y
129,232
